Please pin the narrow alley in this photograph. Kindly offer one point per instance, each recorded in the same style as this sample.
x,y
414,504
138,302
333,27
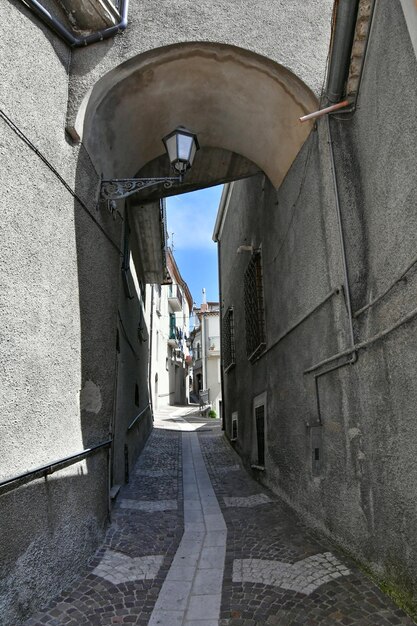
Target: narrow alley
x,y
195,540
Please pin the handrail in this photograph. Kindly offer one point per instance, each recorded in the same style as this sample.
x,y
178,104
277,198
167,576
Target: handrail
x,y
133,422
45,470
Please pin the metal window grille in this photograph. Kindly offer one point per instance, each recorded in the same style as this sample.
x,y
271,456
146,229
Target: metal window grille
x,y
228,340
254,307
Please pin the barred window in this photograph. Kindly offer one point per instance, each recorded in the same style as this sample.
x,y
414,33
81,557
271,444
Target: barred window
x,y
254,307
228,340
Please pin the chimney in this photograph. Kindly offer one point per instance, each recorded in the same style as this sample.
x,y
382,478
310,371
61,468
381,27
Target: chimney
x,y
204,306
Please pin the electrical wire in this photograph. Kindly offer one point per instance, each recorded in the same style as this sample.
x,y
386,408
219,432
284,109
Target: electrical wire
x,y
49,165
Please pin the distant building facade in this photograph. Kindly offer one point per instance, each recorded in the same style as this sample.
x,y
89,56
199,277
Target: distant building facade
x,y
172,304
205,346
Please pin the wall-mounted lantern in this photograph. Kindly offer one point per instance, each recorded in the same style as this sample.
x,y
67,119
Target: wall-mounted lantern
x,y
181,146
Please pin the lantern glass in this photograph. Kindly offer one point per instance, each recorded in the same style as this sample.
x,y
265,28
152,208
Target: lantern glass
x,y
185,143
171,147
181,146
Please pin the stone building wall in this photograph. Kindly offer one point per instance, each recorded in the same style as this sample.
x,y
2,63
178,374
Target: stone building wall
x,y
60,284
350,469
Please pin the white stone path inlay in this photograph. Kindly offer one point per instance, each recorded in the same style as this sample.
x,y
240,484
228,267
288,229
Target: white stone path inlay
x,y
191,593
304,576
119,568
248,501
149,506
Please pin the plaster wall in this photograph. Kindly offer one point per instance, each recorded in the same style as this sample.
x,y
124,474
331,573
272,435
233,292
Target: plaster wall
x,y
274,30
131,377
59,283
363,493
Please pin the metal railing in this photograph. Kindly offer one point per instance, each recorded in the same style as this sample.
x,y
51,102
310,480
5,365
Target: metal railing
x,y
203,395
175,292
46,470
133,422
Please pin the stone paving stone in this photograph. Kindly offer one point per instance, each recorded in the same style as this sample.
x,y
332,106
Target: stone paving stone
x,y
138,549
256,500
304,576
264,536
119,568
149,506
266,542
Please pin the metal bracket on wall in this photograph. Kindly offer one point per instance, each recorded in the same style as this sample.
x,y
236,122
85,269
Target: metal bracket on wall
x,y
120,188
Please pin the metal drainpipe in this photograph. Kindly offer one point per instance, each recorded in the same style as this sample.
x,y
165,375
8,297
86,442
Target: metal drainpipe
x,y
77,42
346,286
221,337
344,31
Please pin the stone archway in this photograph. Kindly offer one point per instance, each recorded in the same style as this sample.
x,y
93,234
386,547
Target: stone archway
x,y
244,108
235,100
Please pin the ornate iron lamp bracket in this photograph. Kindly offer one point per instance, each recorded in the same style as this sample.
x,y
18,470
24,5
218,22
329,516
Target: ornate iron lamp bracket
x,y
119,188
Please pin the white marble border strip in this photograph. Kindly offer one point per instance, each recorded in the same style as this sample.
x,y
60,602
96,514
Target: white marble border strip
x,y
191,593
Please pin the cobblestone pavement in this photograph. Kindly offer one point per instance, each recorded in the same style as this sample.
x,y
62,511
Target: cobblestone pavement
x,y
277,572
123,580
273,570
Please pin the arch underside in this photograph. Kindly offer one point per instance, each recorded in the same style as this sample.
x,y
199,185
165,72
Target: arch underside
x,y
243,107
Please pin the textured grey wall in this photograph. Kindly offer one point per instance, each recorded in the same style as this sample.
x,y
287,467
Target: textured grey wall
x,y
293,33
364,495
59,284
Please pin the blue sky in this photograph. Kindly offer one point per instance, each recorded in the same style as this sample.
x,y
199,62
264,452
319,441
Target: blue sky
x,y
191,218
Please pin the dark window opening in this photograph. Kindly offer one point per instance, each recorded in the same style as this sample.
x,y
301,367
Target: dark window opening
x,y
136,395
234,427
228,340
316,450
172,328
254,307
260,434
126,264
117,340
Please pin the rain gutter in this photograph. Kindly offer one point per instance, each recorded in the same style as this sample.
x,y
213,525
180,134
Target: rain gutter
x,y
66,35
344,30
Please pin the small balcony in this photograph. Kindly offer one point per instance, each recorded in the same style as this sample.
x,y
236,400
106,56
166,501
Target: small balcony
x,y
175,298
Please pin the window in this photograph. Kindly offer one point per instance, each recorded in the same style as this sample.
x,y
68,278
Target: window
x,y
316,450
228,340
234,426
172,329
254,307
259,438
126,264
158,299
260,434
198,352
136,395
